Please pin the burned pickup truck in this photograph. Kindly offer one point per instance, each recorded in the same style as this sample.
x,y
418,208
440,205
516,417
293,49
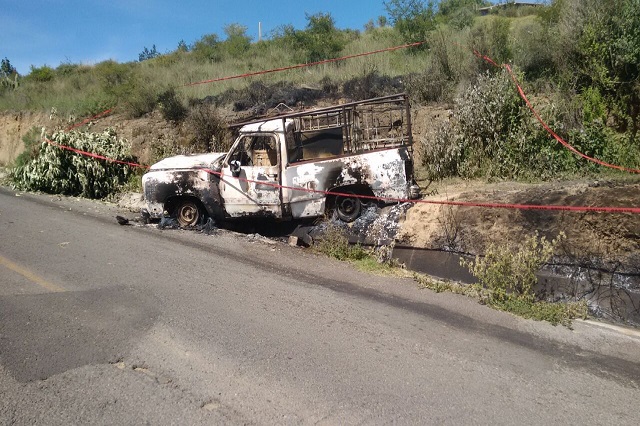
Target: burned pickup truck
x,y
282,167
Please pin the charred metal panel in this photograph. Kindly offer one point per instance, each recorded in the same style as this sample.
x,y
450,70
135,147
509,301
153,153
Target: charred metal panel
x,y
162,185
382,171
254,188
254,192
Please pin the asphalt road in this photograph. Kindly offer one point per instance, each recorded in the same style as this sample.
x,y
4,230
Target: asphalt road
x,y
109,324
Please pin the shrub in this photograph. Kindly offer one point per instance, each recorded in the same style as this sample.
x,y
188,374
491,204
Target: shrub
x,y
139,100
485,135
510,272
112,75
334,243
59,171
171,107
507,277
237,42
207,49
412,19
209,131
491,37
41,74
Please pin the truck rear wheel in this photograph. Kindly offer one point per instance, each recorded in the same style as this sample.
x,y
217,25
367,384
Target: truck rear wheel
x,y
188,213
348,208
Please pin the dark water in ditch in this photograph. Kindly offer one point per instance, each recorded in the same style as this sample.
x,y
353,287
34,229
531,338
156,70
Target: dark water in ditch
x,y
611,295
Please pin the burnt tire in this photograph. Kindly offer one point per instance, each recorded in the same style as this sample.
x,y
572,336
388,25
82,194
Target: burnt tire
x,y
348,208
188,213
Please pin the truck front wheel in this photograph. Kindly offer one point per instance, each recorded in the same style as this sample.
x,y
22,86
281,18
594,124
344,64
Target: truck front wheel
x,y
348,208
188,213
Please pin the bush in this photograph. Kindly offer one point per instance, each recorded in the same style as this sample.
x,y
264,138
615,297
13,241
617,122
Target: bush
x,y
59,171
486,135
207,49
140,99
209,130
491,37
510,272
237,42
171,107
334,243
41,74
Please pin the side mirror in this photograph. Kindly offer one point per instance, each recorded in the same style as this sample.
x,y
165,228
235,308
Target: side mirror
x,y
235,168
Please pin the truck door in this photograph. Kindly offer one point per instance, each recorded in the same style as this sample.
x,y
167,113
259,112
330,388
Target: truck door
x,y
250,178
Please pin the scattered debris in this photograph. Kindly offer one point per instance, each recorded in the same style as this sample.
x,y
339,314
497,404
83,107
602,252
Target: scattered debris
x,y
209,227
168,223
122,220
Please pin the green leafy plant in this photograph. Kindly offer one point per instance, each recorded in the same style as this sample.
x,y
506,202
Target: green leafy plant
x,y
334,243
508,276
32,141
511,272
58,171
41,74
413,19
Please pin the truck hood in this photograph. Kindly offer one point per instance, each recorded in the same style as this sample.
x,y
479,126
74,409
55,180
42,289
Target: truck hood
x,y
194,161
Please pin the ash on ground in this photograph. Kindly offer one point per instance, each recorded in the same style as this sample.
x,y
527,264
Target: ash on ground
x,y
376,227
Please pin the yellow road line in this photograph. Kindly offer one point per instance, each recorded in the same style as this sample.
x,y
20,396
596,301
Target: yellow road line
x,y
30,275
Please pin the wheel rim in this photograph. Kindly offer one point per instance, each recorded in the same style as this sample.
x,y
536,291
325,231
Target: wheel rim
x,y
188,214
348,208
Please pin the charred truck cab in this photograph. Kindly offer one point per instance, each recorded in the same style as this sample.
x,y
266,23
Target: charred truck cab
x,y
282,167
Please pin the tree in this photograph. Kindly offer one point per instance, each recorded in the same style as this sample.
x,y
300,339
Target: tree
x,y
609,55
148,54
182,46
319,40
322,39
207,48
413,19
6,69
237,42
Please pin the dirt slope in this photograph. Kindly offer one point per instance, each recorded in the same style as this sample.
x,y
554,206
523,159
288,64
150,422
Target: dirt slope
x,y
13,126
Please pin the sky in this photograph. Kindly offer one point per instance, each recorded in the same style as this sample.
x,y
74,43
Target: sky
x,y
52,32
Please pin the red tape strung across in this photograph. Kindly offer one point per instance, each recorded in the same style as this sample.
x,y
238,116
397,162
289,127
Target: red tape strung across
x,y
310,64
634,210
555,135
544,124
86,120
94,155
